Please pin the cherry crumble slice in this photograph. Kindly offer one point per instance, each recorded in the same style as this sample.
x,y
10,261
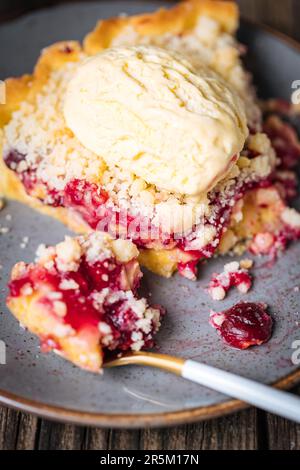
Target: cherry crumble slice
x,y
81,299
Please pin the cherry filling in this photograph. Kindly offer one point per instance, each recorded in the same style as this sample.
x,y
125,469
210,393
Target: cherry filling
x,y
223,210
266,243
88,199
32,185
243,325
13,161
81,294
96,208
13,158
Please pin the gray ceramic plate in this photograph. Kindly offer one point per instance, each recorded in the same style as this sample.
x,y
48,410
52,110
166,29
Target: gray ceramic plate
x,y
132,397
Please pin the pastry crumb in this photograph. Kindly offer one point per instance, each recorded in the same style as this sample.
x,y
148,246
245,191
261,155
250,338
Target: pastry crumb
x,y
24,242
235,274
246,263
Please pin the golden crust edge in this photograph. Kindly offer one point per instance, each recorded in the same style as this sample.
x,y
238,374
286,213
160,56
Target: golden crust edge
x,y
26,87
178,19
73,347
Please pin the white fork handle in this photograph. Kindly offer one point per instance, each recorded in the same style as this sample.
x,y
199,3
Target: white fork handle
x,y
267,398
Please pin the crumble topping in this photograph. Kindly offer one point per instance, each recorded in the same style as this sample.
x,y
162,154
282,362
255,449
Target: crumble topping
x,y
291,218
27,290
18,270
24,242
123,250
67,284
59,308
4,230
235,274
263,243
98,246
246,263
78,289
38,132
68,255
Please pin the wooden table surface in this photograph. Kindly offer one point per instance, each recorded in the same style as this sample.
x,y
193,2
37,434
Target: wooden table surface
x,y
250,429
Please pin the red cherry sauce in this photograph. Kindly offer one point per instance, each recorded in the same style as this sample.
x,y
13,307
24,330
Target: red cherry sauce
x,y
80,310
243,325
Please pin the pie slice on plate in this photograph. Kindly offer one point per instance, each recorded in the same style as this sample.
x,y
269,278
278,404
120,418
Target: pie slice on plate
x,y
80,298
152,131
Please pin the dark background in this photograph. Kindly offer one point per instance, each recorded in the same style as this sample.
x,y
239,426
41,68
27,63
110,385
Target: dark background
x,y
9,8
249,429
281,14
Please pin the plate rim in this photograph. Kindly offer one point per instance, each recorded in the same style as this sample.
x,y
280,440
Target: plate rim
x,y
134,421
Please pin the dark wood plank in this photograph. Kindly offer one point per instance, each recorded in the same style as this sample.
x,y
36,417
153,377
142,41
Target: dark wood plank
x,y
283,434
238,431
170,439
17,430
9,424
59,436
153,439
27,432
96,439
124,440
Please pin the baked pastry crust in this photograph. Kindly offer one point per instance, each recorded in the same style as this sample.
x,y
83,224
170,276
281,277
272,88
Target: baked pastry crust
x,y
27,88
177,20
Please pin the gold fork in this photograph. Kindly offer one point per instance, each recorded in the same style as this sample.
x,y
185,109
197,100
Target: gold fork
x,y
263,396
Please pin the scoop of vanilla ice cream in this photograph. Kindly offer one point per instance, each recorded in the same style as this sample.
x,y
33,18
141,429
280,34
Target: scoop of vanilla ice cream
x,y
148,111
